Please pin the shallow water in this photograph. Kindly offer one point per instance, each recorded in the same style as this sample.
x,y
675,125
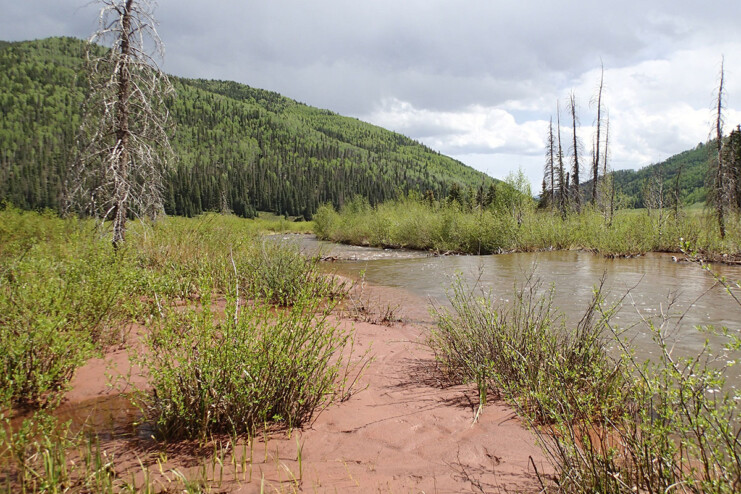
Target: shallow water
x,y
647,283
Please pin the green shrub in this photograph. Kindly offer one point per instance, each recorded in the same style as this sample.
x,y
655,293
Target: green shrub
x,y
608,422
258,365
56,310
523,349
449,226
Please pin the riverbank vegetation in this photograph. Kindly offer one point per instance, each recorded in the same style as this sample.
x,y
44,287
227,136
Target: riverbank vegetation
x,y
608,421
510,221
271,358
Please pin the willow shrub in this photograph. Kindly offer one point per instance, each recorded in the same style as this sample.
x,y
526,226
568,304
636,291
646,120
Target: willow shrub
x,y
448,227
254,366
62,299
608,422
523,349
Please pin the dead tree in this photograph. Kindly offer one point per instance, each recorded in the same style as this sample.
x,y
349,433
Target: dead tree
x,y
596,144
575,148
720,179
123,147
562,181
654,197
549,186
606,192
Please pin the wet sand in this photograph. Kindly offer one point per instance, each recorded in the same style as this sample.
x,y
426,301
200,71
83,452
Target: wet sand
x,y
402,430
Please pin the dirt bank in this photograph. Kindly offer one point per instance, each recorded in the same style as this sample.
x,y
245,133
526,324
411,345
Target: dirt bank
x,y
403,430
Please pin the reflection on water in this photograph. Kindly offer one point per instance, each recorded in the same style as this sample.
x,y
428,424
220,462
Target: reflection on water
x,y
108,417
651,281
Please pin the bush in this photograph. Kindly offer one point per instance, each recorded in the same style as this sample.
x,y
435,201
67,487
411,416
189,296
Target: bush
x,y
59,303
259,365
608,423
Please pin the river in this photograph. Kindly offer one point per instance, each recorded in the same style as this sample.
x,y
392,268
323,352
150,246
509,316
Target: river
x,y
650,282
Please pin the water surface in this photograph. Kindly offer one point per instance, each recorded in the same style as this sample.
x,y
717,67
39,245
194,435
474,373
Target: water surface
x,y
648,285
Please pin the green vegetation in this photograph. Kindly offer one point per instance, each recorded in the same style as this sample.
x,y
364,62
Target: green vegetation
x,y
271,359
238,148
512,223
257,366
607,421
690,166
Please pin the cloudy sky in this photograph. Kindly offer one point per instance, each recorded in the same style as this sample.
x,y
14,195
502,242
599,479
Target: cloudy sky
x,y
477,80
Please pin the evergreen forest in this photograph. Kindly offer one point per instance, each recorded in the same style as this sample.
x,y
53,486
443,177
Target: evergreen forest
x,y
237,148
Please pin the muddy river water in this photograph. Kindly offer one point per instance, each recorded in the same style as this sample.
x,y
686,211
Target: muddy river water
x,y
651,282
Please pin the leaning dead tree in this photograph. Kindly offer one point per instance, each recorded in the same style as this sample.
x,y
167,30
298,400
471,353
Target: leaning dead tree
x,y
123,148
597,138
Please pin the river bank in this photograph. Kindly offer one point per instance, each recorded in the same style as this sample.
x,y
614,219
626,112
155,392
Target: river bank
x,y
444,227
404,429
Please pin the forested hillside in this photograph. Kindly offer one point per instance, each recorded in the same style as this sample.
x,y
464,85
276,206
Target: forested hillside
x,y
691,166
237,148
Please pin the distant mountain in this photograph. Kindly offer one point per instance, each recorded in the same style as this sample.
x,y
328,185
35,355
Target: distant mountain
x,y
251,148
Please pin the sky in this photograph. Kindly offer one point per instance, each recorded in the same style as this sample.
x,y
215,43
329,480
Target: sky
x,y
477,80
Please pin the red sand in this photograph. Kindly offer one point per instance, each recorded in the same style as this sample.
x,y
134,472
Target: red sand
x,y
403,430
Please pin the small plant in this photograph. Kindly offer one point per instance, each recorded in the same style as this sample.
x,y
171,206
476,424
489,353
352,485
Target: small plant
x,y
361,307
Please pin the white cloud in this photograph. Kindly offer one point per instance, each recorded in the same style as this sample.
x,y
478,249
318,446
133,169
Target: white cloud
x,y
474,129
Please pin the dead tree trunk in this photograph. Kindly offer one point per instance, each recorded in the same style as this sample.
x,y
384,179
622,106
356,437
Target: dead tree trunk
x,y
121,188
562,181
720,172
576,192
549,179
124,146
596,157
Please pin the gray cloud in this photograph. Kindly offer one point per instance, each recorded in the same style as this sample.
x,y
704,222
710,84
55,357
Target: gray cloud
x,y
451,58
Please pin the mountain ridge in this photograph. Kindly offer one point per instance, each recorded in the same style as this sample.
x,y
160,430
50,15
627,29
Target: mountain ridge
x,y
239,148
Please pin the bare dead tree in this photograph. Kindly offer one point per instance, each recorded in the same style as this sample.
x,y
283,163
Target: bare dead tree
x,y
562,180
654,197
123,148
596,143
719,190
606,193
549,185
575,148
677,192
612,175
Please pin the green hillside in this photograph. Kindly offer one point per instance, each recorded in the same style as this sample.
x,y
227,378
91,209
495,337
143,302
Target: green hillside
x,y
691,165
249,148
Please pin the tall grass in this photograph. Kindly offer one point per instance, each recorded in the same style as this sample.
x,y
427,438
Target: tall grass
x,y
449,227
608,421
66,295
